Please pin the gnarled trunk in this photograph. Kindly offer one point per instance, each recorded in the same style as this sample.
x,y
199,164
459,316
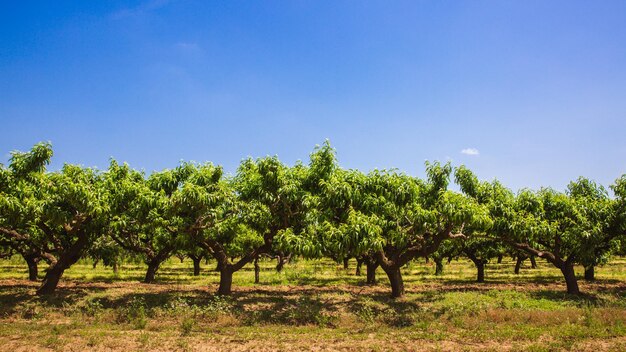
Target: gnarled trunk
x,y
395,279
570,278
226,281
51,280
31,262
66,259
153,266
590,274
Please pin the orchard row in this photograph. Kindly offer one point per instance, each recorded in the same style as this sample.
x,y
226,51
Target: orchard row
x,y
383,218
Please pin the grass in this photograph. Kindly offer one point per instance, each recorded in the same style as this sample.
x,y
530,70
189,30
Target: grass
x,y
314,305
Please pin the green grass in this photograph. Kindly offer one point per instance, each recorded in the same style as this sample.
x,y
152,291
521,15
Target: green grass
x,y
314,303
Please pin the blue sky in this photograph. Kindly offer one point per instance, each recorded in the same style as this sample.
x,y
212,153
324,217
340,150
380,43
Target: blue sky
x,y
536,88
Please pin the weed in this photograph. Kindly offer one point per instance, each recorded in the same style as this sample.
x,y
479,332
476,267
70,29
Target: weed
x,y
187,325
134,313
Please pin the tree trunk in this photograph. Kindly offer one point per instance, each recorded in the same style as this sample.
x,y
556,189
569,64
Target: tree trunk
x,y
570,278
346,263
95,263
153,266
590,274
196,265
226,281
31,262
518,263
115,268
395,279
533,262
500,259
359,264
438,266
480,266
51,280
371,272
257,270
281,261
66,259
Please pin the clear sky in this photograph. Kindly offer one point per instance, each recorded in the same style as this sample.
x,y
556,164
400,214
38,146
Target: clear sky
x,y
533,92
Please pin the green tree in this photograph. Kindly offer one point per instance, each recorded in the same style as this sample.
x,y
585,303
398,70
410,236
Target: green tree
x,y
74,211
21,207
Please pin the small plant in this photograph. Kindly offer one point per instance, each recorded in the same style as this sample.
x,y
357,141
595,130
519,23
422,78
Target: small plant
x,y
31,311
143,338
187,325
92,308
134,314
365,310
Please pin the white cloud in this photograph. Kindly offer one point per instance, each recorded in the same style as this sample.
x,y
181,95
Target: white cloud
x,y
142,8
470,151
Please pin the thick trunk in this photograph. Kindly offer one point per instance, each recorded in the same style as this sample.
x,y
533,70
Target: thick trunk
x,y
196,265
226,281
570,278
346,263
66,259
51,280
395,279
31,262
153,266
499,259
371,272
359,264
518,263
438,266
590,274
257,270
533,262
480,267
